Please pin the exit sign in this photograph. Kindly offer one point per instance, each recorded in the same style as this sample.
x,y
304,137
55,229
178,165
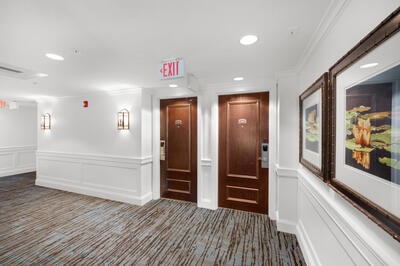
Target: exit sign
x,y
172,69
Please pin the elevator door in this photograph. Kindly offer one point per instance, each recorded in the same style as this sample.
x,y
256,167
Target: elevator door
x,y
178,144
243,127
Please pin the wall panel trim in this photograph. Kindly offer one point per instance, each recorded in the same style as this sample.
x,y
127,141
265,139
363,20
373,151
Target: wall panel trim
x,y
339,223
354,236
309,253
119,178
17,160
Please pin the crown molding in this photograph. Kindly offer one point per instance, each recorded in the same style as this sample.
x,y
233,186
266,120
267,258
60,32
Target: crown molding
x,y
328,20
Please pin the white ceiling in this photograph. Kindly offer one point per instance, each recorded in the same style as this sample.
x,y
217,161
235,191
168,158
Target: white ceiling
x,y
121,43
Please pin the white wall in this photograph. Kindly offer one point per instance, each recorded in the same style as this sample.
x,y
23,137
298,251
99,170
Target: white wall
x,y
18,126
208,149
330,230
18,139
287,155
288,105
84,152
92,130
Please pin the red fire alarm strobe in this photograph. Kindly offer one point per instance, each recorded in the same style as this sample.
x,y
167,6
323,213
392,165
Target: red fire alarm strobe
x,y
85,104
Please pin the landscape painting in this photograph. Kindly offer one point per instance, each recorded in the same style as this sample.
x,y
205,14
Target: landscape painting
x,y
313,108
312,135
373,128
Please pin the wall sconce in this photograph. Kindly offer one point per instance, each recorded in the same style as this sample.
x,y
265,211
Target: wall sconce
x,y
45,121
123,119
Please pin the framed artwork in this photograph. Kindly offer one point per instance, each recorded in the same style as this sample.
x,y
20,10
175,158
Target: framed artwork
x,y
313,123
365,129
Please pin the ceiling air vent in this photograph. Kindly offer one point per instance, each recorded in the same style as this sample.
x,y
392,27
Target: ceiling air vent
x,y
16,72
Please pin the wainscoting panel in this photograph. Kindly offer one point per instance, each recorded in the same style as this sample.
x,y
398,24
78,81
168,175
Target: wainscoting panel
x,y
314,223
95,175
332,232
17,160
124,179
65,170
6,160
205,195
287,199
146,171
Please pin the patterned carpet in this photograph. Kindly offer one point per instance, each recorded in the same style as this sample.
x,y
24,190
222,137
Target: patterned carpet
x,y
41,226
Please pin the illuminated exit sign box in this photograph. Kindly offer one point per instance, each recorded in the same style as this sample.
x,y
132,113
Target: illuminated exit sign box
x,y
172,69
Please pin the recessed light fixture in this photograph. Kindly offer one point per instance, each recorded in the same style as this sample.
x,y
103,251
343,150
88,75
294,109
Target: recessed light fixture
x,y
173,85
369,65
41,75
55,57
238,78
248,39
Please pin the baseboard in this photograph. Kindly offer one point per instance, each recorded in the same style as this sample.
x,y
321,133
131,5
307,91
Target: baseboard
x,y
91,191
17,171
206,204
144,199
306,246
286,226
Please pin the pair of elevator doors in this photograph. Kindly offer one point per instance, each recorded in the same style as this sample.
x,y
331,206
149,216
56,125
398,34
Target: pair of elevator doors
x,y
243,131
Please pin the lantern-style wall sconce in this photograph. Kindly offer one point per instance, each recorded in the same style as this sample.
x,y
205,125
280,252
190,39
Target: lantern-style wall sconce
x,y
123,119
45,121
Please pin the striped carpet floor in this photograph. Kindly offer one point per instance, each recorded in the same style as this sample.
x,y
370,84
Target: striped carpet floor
x,y
41,226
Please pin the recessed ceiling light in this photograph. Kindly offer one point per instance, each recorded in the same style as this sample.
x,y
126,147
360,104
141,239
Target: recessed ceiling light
x,y
369,65
173,85
42,75
248,39
55,57
238,78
